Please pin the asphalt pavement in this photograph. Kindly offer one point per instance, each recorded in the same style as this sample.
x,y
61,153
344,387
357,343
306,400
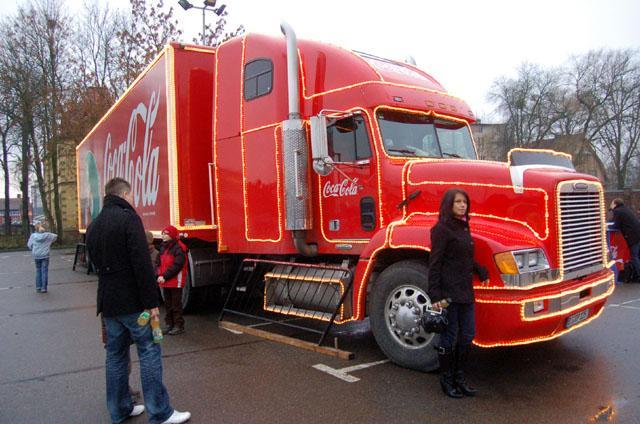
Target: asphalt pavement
x,y
52,368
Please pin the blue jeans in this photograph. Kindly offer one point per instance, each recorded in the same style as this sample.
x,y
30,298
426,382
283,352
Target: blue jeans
x,y
635,258
120,331
42,273
461,327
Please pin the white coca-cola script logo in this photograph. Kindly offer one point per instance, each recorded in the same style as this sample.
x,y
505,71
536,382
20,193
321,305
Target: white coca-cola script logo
x,y
138,166
344,188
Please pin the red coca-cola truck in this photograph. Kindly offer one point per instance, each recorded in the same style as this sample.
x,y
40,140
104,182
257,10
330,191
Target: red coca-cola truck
x,y
312,155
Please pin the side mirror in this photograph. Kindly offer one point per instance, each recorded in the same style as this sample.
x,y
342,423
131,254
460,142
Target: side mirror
x,y
322,163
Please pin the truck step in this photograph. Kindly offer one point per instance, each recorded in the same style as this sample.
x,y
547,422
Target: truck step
x,y
305,292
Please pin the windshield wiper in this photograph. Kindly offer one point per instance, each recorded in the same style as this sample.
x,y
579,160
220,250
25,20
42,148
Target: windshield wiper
x,y
402,151
451,155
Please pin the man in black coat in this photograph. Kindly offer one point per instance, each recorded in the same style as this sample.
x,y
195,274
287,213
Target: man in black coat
x,y
117,245
629,225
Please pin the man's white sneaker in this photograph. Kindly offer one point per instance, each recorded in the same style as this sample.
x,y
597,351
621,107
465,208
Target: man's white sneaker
x,y
137,410
178,417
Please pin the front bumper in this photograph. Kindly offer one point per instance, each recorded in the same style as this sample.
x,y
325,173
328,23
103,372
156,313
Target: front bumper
x,y
507,317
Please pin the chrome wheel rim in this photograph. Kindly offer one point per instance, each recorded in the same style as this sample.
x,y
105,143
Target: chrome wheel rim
x,y
402,313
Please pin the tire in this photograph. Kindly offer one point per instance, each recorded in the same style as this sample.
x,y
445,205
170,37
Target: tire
x,y
188,295
397,301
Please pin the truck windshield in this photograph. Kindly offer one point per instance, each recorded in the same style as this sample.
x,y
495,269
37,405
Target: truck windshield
x,y
412,135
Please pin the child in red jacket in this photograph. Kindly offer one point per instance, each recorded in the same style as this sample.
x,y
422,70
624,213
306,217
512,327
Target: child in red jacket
x,y
172,276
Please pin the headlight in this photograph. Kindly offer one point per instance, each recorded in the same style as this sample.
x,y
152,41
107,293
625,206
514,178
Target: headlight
x,y
521,261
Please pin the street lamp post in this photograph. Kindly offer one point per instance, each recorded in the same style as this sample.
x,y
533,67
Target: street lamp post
x,y
208,5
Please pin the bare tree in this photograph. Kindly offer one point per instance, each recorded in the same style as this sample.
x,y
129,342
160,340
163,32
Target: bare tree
x,y
619,120
96,42
606,87
48,40
22,79
596,94
214,36
143,35
529,103
6,125
61,80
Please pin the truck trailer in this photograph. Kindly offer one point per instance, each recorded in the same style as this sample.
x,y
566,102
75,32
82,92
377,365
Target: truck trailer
x,y
306,154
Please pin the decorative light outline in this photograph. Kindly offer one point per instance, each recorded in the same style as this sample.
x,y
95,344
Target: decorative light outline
x,y
174,136
523,302
496,186
78,209
245,193
221,246
548,151
321,198
435,115
122,97
388,231
321,280
135,82
603,220
200,49
541,338
174,210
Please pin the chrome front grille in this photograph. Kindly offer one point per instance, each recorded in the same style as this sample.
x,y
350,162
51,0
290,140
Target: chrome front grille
x,y
581,225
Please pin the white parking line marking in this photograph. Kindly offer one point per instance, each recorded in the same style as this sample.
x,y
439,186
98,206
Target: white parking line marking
x,y
363,366
630,307
622,305
233,331
336,373
342,373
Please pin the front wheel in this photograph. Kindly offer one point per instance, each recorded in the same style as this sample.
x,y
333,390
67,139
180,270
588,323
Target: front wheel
x,y
397,301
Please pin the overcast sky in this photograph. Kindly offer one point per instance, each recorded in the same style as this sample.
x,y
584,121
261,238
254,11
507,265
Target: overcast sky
x,y
465,44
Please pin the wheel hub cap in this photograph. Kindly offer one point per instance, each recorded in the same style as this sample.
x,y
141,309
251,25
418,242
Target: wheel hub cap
x,y
402,315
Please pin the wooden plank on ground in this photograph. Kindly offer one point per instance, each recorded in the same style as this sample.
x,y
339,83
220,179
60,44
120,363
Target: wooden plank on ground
x,y
331,351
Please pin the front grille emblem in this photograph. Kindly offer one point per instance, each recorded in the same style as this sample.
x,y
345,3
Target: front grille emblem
x,y
580,186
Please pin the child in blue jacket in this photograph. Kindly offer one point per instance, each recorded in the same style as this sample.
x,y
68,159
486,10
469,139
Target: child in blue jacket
x,y
40,245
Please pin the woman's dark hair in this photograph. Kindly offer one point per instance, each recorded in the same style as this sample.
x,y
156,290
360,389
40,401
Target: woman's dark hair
x,y
446,206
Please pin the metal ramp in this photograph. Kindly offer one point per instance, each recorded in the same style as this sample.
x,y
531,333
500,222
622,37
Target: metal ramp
x,y
289,302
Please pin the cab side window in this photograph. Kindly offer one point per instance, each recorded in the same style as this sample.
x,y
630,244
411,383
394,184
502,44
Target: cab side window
x,y
348,139
258,78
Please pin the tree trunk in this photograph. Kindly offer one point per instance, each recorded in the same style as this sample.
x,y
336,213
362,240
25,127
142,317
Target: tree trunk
x,y
56,189
42,188
7,193
24,184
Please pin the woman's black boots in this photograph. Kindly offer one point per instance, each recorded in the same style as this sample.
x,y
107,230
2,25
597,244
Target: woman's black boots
x,y
447,381
460,362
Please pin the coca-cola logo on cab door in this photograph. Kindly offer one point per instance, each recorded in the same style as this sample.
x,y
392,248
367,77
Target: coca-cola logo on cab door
x,y
344,188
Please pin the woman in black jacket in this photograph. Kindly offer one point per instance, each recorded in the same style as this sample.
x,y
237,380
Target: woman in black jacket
x,y
451,268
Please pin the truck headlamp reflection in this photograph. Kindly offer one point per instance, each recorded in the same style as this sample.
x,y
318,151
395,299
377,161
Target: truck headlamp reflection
x,y
524,267
521,261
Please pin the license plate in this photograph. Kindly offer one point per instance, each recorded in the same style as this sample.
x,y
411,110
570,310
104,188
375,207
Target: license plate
x,y
576,318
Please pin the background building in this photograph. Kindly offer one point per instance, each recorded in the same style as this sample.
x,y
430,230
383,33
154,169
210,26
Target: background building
x,y
492,143
66,186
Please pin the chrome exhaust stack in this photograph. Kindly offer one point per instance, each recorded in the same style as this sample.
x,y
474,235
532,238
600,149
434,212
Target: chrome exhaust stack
x,y
296,156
